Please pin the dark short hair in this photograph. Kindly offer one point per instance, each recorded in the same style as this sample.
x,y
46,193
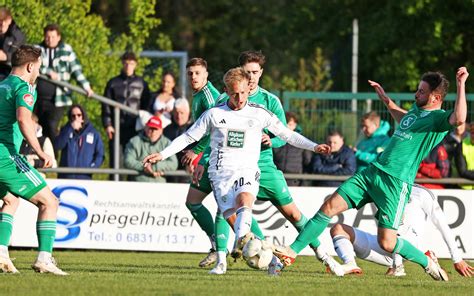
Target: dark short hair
x,y
252,56
437,82
129,56
335,133
52,27
197,62
291,116
25,54
5,13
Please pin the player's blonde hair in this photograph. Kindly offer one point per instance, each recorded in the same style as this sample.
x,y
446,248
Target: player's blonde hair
x,y
235,75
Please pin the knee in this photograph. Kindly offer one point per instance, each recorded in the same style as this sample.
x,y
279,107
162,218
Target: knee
x,y
50,202
387,244
340,229
337,229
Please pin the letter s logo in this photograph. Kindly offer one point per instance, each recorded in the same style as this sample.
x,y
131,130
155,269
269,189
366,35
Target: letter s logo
x,y
72,226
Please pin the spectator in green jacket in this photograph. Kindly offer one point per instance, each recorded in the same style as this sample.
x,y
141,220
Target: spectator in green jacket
x,y
150,140
374,139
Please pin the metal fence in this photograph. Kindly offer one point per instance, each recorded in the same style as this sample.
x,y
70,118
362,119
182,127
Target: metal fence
x,y
321,112
318,111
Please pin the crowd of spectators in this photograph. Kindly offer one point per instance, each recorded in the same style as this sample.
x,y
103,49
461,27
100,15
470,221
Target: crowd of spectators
x,y
167,115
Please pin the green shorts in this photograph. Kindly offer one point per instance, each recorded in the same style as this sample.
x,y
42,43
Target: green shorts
x,y
273,186
204,183
18,177
374,185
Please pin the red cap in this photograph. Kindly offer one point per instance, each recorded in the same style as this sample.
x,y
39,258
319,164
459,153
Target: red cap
x,y
154,122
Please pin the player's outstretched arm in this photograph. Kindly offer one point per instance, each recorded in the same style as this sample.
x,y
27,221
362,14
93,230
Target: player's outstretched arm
x,y
27,128
459,115
396,112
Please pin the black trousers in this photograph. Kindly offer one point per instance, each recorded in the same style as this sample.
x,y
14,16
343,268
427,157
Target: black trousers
x,y
49,116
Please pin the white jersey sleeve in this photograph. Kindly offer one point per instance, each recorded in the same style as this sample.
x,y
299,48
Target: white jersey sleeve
x,y
200,128
435,214
274,125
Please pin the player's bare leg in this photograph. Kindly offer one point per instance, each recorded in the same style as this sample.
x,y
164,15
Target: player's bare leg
x,y
8,210
47,205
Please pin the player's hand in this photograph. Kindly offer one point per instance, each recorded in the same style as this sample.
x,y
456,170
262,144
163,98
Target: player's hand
x,y
464,269
188,157
461,75
197,175
152,158
380,91
48,160
110,131
189,169
322,148
266,140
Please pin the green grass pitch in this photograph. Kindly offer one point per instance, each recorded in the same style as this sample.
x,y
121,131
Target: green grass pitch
x,y
143,273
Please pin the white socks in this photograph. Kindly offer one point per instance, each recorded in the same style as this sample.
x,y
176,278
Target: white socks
x,y
243,222
344,248
222,257
4,251
44,256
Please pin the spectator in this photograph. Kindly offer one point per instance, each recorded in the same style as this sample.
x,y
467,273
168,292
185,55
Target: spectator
x,y
30,154
131,90
11,38
80,144
341,161
451,143
59,63
464,157
162,102
290,159
434,166
145,143
374,139
180,123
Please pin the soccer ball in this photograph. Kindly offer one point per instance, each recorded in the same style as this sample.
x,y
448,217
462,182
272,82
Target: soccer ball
x,y
257,254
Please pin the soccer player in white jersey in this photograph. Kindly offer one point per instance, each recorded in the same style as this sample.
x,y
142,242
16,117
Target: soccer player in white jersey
x,y
422,208
235,129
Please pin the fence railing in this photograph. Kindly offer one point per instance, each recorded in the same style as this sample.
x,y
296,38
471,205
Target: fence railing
x,y
288,99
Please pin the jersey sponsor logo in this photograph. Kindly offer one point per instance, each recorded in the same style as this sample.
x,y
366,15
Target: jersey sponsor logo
x,y
235,139
250,123
407,121
28,99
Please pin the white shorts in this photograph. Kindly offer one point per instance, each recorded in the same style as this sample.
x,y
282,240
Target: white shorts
x,y
227,185
366,247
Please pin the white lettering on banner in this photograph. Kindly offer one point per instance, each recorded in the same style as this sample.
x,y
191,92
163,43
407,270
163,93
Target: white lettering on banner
x,y
153,217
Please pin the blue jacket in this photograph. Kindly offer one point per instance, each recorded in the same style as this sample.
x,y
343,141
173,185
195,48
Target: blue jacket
x,y
369,148
83,149
340,163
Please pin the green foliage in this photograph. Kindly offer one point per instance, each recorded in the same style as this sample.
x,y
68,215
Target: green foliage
x,y
153,273
98,50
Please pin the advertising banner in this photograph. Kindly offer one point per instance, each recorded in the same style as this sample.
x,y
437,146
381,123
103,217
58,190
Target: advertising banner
x,y
153,217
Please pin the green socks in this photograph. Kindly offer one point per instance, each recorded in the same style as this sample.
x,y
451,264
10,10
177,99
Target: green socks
x,y
222,233
6,224
203,217
409,252
256,229
311,231
299,225
46,232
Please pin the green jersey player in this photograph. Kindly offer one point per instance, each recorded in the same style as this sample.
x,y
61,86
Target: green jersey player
x,y
388,181
273,186
17,177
